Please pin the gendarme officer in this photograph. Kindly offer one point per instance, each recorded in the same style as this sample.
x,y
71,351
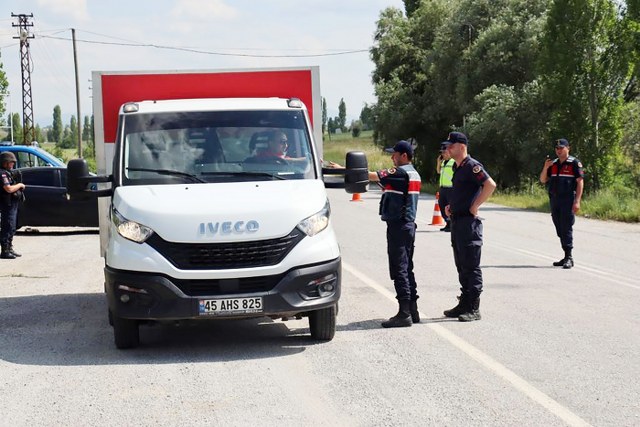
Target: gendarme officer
x,y
564,179
10,198
398,206
472,186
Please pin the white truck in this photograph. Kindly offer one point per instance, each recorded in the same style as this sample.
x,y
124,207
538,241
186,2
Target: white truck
x,y
197,221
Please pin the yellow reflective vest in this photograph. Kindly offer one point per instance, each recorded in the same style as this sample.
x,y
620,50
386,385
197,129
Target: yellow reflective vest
x,y
446,173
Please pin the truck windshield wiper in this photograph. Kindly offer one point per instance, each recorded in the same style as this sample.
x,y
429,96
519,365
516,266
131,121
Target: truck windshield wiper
x,y
244,173
171,172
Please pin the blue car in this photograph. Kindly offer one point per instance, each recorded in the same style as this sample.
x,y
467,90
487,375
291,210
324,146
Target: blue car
x,y
46,204
30,157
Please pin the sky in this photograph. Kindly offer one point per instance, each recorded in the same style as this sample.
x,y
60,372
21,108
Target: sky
x,y
234,33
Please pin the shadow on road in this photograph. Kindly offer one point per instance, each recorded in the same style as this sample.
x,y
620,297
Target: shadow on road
x,y
69,330
50,231
376,323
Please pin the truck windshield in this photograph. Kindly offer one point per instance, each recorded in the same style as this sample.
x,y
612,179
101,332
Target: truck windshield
x,y
224,146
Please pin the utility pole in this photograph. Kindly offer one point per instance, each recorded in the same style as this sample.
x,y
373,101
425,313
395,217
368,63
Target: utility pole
x,y
23,25
75,62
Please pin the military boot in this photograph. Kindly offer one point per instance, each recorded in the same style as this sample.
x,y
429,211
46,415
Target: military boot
x,y
402,319
563,262
415,314
458,309
13,251
6,253
568,263
472,313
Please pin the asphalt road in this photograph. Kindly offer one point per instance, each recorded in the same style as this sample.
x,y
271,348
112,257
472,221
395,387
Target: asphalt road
x,y
555,347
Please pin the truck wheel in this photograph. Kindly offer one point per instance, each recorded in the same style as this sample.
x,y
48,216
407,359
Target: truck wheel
x,y
322,323
125,332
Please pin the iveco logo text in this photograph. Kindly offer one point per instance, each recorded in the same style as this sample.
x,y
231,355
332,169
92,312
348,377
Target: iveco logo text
x,y
229,227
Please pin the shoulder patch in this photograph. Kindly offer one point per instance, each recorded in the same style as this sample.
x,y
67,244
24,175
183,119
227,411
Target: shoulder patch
x,y
579,164
391,171
476,169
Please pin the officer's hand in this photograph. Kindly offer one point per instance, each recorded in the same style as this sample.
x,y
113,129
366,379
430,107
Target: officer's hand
x,y
547,163
473,211
447,210
576,207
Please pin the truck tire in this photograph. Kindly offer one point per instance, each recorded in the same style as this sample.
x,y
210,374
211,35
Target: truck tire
x,y
322,323
125,332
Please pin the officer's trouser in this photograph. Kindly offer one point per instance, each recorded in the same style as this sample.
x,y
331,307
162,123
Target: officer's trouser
x,y
563,218
400,244
466,240
443,201
8,222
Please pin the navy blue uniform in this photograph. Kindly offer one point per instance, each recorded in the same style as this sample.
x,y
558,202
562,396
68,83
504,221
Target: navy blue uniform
x,y
398,207
466,229
8,210
561,186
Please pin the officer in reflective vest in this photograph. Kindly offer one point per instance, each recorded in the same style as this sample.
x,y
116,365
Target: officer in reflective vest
x,y
564,180
444,167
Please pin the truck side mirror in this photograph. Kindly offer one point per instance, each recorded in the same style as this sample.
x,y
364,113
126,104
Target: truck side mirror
x,y
356,177
77,172
80,183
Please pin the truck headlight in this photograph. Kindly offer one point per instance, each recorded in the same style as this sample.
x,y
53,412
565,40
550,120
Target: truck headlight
x,y
316,222
130,230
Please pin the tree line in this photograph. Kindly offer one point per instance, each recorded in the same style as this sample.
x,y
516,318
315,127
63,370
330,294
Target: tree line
x,y
514,75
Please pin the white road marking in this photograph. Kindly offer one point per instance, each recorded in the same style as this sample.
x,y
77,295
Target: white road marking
x,y
487,361
608,276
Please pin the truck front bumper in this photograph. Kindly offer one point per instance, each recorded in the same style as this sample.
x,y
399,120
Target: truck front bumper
x,y
149,296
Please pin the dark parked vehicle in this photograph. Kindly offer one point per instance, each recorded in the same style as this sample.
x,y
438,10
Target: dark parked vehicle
x,y
46,201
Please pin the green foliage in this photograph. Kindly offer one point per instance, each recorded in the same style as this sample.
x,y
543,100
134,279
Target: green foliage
x,y
356,128
512,74
366,117
16,124
4,85
586,63
56,128
337,149
342,116
87,130
324,115
38,134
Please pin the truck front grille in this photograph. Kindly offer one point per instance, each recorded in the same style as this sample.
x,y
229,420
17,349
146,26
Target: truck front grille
x,y
224,256
245,285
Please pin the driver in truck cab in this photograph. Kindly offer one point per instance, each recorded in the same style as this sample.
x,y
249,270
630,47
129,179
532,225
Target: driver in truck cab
x,y
276,148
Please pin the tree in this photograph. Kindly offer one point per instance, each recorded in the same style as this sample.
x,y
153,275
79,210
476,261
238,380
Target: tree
x,y
38,133
86,129
586,63
324,115
4,85
16,124
366,117
356,128
56,130
331,125
342,116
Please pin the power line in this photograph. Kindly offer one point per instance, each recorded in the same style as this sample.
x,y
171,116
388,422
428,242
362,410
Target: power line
x,y
205,52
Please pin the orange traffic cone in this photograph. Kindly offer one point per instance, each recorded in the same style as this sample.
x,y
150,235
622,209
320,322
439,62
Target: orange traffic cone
x,y
437,215
356,197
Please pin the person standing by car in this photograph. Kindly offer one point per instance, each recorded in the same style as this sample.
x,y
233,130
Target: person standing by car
x,y
11,197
